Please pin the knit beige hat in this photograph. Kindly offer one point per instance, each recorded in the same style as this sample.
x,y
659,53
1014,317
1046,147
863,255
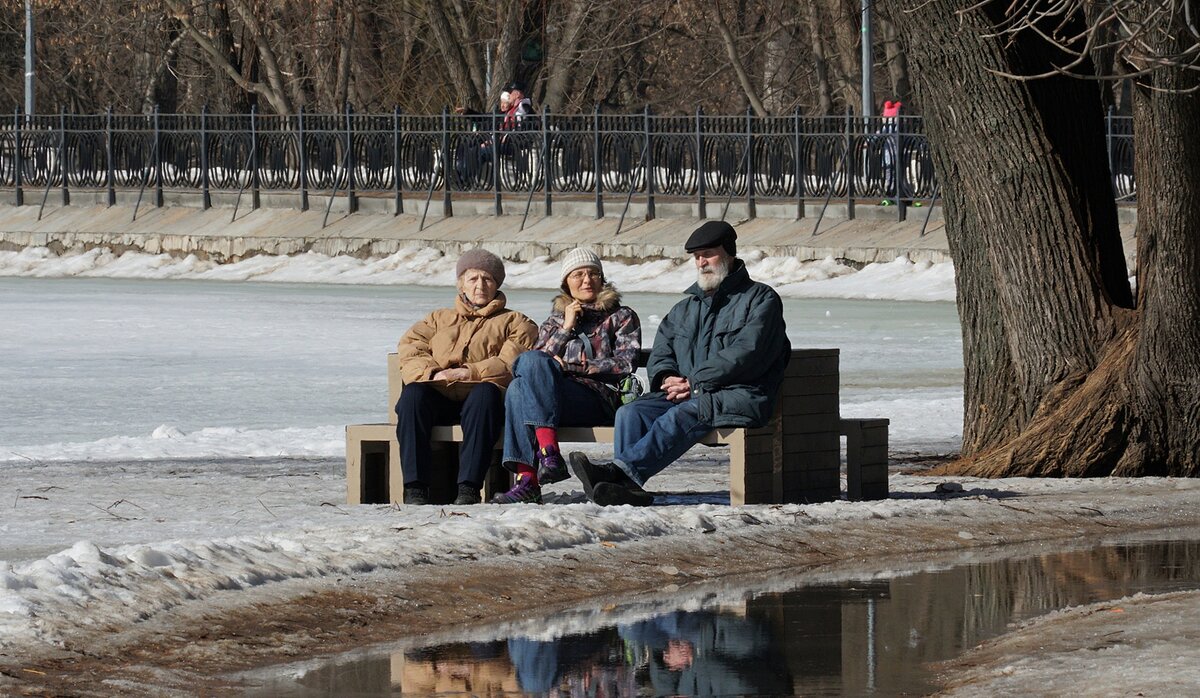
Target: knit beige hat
x,y
577,259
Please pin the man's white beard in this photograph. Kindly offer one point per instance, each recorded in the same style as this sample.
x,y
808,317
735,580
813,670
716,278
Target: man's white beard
x,y
711,277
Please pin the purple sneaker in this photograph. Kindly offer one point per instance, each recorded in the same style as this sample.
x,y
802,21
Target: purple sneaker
x,y
524,492
550,466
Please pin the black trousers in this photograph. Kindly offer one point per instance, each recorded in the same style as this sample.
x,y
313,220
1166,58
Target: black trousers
x,y
421,407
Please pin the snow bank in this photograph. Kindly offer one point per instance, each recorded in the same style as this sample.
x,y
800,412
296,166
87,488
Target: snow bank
x,y
897,280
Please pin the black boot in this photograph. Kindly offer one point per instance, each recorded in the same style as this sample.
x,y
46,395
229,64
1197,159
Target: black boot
x,y
609,494
416,494
467,494
592,475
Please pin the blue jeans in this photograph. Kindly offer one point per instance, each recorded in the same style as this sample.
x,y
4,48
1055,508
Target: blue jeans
x,y
652,432
421,407
539,390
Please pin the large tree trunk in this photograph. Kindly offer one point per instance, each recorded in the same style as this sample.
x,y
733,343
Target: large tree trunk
x,y
1166,375
1062,377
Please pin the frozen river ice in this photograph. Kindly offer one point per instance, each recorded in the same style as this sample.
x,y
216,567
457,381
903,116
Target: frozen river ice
x,y
111,368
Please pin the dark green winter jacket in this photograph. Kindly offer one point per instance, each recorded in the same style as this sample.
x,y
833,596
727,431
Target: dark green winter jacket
x,y
732,348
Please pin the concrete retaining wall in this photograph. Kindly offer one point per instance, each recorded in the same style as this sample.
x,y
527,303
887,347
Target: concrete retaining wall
x,y
278,227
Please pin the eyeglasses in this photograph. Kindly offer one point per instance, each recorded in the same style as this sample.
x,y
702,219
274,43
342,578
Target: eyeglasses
x,y
581,274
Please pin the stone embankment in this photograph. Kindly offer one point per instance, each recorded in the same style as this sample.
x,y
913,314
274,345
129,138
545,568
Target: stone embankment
x,y
231,230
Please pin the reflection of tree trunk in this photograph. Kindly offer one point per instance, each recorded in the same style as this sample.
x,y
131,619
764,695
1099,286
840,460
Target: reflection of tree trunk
x,y
1061,377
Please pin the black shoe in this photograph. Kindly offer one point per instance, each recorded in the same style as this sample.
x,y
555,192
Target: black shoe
x,y
416,494
609,494
592,474
467,494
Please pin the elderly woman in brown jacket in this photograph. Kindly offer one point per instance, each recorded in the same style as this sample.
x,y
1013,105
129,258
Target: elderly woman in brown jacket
x,y
455,364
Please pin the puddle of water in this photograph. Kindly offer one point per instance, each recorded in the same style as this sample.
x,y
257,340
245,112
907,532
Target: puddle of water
x,y
846,638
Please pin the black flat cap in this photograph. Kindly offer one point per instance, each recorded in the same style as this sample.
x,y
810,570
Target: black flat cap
x,y
713,234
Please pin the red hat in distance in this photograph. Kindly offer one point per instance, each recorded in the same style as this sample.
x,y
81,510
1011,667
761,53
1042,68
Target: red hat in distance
x,y
891,108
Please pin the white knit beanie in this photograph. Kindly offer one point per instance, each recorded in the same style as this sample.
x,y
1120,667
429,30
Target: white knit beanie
x,y
577,259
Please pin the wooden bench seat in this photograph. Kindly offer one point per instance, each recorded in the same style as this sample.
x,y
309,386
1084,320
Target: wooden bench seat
x,y
796,457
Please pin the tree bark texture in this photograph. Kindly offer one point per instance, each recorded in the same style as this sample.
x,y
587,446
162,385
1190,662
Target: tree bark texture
x,y
1057,363
563,53
1166,376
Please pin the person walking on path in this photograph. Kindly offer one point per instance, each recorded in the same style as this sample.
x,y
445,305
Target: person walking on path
x,y
584,350
718,361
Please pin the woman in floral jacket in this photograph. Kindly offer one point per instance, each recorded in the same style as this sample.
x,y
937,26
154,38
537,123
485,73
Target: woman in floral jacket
x,y
587,346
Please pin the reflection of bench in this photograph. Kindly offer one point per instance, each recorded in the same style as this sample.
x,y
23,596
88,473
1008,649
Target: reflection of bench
x,y
795,458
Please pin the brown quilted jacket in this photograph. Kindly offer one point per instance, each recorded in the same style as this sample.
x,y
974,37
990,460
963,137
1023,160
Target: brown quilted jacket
x,y
486,340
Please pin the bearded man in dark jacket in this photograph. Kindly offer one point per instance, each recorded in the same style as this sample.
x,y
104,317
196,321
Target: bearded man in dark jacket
x,y
718,361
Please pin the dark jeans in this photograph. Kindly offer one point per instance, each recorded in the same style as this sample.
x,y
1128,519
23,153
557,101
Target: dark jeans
x,y
421,407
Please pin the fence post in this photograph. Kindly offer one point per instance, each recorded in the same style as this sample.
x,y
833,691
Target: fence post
x,y
596,163
205,194
62,155
798,165
351,185
649,165
546,168
498,209
848,163
18,192
901,189
701,185
447,206
303,160
158,170
255,202
750,208
109,174
399,207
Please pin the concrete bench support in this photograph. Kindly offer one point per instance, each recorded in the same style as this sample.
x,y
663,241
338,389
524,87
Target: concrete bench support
x,y
866,458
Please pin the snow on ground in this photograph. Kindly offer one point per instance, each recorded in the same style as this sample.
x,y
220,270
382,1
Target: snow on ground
x,y
897,280
113,543
1143,645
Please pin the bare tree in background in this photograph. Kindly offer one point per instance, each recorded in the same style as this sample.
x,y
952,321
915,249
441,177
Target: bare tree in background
x,y
422,55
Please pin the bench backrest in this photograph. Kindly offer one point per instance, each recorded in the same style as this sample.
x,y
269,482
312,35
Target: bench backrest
x,y
811,373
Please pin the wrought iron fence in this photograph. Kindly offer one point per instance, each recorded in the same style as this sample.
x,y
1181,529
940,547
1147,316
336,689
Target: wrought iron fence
x,y
700,157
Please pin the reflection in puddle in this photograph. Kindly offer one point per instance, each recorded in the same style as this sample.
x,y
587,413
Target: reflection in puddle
x,y
848,637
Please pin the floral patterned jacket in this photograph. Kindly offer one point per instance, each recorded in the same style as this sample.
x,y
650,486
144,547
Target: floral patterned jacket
x,y
613,334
